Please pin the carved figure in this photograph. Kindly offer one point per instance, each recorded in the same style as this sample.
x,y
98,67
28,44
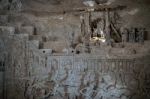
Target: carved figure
x,y
141,35
132,35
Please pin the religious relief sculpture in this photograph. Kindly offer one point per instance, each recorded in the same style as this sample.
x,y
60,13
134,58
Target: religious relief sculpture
x,y
133,35
140,35
71,39
97,73
103,29
98,36
124,34
15,5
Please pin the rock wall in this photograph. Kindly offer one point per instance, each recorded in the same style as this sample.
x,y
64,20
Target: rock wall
x,y
1,83
30,74
76,77
85,78
15,5
92,78
135,15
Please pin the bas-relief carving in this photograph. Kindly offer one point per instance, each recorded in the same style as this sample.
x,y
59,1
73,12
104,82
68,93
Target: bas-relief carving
x,y
90,78
63,75
71,80
88,84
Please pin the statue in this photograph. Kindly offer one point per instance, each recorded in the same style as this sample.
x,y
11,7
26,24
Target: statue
x,y
16,5
132,37
124,35
141,32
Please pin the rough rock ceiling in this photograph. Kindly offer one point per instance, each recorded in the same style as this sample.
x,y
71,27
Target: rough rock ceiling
x,y
52,2
58,5
52,5
136,9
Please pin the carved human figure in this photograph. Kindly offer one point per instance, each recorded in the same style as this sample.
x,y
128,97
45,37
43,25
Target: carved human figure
x,y
71,39
73,82
88,91
141,35
54,70
132,35
29,89
124,34
100,26
16,5
86,44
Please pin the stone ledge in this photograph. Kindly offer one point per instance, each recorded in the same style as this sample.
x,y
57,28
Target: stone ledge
x,y
7,29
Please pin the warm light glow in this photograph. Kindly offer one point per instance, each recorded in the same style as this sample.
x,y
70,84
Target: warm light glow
x,y
102,39
102,33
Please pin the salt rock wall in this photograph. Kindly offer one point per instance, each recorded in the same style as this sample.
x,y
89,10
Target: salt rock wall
x,y
15,5
31,75
53,31
74,77
1,83
135,15
91,78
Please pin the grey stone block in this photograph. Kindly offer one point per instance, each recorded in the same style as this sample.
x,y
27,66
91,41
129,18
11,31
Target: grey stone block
x,y
46,51
3,19
35,42
7,30
22,36
27,30
35,37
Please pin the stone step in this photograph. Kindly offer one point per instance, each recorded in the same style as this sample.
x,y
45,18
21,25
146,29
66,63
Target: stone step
x,y
26,30
35,42
57,46
46,51
35,37
7,30
22,36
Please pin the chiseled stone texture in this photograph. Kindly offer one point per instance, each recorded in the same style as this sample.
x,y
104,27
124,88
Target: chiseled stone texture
x,y
34,75
8,30
73,77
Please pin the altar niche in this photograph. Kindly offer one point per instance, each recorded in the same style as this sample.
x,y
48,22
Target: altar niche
x,y
101,24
